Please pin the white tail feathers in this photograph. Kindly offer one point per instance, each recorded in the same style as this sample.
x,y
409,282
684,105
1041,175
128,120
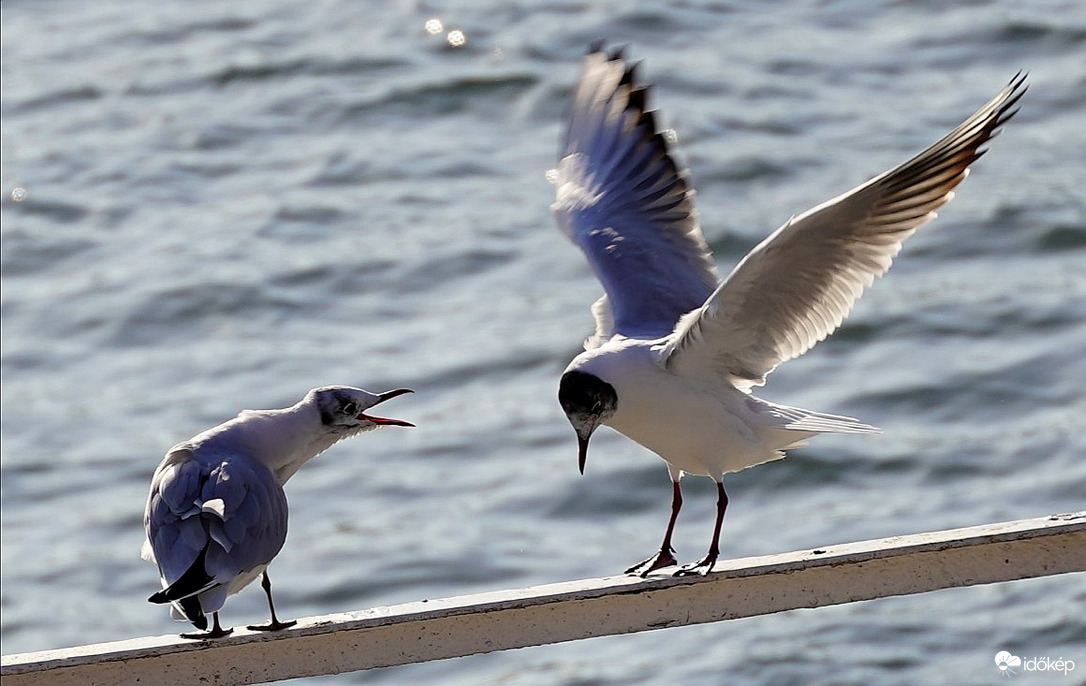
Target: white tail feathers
x,y
829,423
796,419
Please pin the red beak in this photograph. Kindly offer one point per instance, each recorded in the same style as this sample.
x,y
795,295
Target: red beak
x,y
387,421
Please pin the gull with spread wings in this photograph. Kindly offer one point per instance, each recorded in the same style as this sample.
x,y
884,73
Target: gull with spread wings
x,y
676,351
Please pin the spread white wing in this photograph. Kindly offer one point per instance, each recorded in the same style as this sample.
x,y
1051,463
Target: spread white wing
x,y
796,287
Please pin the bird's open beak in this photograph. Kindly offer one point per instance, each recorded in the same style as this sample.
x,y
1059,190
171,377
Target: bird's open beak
x,y
386,421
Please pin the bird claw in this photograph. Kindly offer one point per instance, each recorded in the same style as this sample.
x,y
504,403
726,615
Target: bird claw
x,y
217,632
699,568
664,558
272,626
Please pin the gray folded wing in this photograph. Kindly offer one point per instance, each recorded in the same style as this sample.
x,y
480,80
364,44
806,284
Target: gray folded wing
x,y
229,504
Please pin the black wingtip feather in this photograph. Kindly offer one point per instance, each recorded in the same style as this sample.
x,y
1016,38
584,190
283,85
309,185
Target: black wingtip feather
x,y
194,579
193,612
613,54
648,120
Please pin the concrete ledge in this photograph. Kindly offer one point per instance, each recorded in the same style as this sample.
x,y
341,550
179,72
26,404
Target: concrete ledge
x,y
486,622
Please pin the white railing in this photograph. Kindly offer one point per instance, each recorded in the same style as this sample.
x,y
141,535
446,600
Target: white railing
x,y
486,622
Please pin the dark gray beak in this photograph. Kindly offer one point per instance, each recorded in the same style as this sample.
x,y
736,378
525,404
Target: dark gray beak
x,y
582,449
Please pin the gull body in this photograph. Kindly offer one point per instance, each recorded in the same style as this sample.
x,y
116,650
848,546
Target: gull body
x,y
704,428
217,513
677,351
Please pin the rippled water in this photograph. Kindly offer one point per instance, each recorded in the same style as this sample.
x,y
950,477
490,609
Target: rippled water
x,y
229,203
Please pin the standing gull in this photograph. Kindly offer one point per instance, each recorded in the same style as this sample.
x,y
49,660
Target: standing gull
x,y
217,514
676,351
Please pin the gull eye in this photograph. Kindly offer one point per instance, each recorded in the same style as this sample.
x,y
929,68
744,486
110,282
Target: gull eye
x,y
350,408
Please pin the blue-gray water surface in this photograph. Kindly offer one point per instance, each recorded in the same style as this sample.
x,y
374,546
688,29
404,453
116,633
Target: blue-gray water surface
x,y
216,206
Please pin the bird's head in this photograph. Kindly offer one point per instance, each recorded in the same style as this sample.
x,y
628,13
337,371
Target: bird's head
x,y
588,401
343,409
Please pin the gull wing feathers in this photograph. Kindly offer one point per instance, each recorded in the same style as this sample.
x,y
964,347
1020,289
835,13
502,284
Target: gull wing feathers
x,y
797,286
209,519
624,202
